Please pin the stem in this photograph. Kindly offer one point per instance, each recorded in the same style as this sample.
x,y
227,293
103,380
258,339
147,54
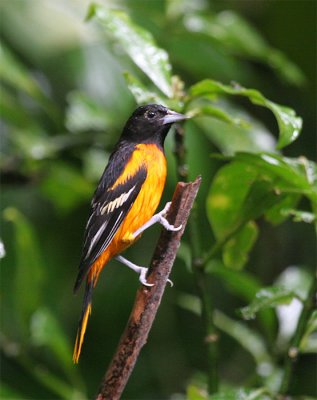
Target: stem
x,y
148,298
198,264
291,357
211,334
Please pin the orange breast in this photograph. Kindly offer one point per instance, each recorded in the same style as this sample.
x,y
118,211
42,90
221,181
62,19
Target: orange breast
x,y
150,194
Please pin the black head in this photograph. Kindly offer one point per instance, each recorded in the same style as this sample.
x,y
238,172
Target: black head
x,y
150,124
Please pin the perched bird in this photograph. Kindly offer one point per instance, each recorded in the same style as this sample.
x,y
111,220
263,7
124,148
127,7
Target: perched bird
x,y
125,200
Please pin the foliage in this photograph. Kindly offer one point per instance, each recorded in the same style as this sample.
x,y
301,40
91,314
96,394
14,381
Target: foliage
x,y
61,114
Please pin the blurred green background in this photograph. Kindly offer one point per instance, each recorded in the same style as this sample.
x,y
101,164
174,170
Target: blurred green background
x,y
64,101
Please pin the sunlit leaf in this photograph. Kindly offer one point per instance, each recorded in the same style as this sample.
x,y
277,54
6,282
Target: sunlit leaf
x,y
28,270
94,162
33,143
226,196
194,392
290,170
84,113
293,174
140,92
268,297
237,194
289,123
2,249
138,43
299,215
296,279
246,189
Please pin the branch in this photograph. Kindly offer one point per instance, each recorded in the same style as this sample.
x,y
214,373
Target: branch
x,y
148,299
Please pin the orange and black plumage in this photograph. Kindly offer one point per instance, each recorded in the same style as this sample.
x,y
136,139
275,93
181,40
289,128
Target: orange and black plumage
x,y
127,196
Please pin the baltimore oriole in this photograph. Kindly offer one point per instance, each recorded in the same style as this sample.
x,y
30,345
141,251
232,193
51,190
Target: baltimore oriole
x,y
125,200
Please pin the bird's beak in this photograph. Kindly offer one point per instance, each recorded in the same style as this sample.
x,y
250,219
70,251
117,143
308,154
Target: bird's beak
x,y
173,116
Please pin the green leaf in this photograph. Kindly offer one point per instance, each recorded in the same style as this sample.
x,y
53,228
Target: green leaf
x,y
189,303
217,113
226,196
194,392
29,270
33,143
140,92
244,285
308,342
299,215
2,249
66,187
231,138
15,74
138,43
46,331
236,197
84,114
252,185
62,389
9,393
94,161
251,341
289,123
298,280
268,297
280,211
236,250
293,174
242,394
236,35
12,111
239,283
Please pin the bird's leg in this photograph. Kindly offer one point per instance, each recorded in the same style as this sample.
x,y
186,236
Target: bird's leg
x,y
139,270
142,271
160,218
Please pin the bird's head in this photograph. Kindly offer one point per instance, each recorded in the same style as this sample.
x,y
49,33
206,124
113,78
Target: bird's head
x,y
150,124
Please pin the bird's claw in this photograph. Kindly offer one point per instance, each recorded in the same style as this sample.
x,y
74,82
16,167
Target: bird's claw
x,y
142,278
163,221
170,282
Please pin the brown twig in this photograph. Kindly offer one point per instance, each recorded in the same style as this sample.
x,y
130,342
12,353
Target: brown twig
x,y
148,298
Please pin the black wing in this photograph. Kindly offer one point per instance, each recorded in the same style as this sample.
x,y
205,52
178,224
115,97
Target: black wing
x,y
108,210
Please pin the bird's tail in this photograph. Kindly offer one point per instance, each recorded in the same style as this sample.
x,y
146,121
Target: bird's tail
x,y
83,319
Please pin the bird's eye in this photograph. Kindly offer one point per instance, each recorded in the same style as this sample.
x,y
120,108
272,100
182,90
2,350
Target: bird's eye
x,y
151,114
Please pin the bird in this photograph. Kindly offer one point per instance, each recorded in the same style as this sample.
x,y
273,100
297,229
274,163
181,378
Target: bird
x,y
125,201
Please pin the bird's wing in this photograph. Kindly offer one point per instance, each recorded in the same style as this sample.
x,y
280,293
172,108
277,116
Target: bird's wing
x,y
108,211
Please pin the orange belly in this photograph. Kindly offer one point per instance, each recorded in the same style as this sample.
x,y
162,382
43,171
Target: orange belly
x,y
145,204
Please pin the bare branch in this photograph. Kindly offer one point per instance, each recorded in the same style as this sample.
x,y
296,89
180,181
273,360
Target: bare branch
x,y
148,298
